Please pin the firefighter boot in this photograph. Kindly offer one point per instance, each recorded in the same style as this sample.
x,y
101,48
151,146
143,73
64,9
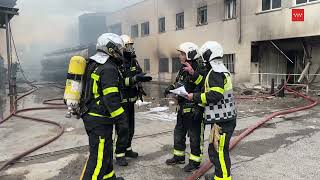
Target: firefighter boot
x,y
121,161
176,160
131,154
191,166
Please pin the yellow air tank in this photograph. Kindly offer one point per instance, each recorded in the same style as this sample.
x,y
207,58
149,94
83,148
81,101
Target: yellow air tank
x,y
73,87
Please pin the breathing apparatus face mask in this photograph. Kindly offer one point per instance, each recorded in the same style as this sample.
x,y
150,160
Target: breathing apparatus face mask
x,y
129,51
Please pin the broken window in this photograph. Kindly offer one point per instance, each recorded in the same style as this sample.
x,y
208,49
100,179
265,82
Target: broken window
x,y
175,64
228,60
230,9
180,21
145,29
202,15
146,65
304,1
135,31
270,4
163,65
162,25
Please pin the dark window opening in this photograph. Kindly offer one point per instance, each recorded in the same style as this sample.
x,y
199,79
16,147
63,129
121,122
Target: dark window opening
x,y
163,65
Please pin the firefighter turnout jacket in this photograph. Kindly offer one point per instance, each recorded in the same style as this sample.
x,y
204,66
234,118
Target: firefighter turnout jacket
x,y
217,97
192,83
105,102
130,89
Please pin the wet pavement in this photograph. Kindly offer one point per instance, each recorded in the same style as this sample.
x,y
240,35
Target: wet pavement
x,y
288,147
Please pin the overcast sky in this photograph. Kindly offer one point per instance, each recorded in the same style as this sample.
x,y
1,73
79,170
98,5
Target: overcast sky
x,y
55,22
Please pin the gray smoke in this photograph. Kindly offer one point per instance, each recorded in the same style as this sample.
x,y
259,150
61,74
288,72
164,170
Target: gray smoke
x,y
46,25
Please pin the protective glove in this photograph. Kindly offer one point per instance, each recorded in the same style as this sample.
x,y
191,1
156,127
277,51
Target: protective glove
x,y
142,78
167,90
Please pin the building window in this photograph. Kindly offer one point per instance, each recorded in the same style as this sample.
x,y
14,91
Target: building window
x,y
304,1
116,29
146,65
162,25
135,31
230,9
270,4
175,64
228,60
180,21
202,15
163,65
145,29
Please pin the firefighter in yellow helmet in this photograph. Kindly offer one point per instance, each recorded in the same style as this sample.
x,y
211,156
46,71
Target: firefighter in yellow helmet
x,y
220,111
131,91
101,106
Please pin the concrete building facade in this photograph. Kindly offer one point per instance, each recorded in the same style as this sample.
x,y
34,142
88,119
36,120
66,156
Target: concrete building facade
x,y
245,28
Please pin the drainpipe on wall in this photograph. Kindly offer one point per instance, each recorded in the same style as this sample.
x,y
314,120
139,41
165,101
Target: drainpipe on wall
x,y
240,24
156,4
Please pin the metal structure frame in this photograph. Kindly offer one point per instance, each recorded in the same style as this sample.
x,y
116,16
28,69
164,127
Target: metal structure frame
x,y
6,14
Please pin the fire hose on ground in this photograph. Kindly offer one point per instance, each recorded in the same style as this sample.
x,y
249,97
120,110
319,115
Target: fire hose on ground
x,y
208,165
203,169
16,114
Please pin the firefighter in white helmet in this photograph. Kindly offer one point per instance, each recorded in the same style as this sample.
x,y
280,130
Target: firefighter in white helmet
x,y
220,111
101,106
190,114
131,91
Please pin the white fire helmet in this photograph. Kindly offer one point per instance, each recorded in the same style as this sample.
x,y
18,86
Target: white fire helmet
x,y
108,44
190,49
212,52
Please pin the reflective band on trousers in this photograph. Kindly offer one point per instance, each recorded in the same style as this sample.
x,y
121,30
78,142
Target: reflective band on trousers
x,y
108,176
120,155
129,148
178,153
195,158
227,178
109,90
201,137
221,156
198,81
99,159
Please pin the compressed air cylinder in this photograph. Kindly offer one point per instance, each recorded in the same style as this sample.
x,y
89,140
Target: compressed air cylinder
x,y
73,87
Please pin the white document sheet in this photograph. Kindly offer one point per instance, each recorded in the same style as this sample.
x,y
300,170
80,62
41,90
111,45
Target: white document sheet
x,y
181,91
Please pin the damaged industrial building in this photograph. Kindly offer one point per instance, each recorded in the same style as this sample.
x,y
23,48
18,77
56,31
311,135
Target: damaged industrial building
x,y
260,40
